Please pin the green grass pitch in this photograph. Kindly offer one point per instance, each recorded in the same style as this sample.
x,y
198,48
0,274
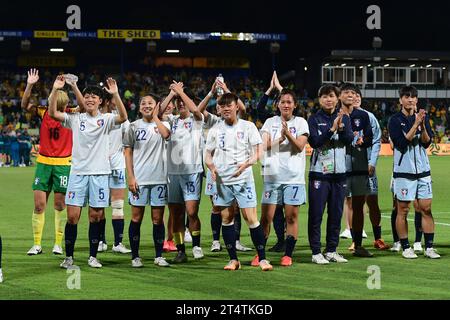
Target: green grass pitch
x,y
39,277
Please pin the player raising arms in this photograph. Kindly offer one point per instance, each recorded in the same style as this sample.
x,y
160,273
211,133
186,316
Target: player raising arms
x,y
147,176
330,131
411,135
284,139
53,163
90,163
185,169
233,146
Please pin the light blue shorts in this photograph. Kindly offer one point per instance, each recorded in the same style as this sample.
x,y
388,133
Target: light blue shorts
x,y
243,193
117,179
184,187
409,190
290,194
153,195
210,188
84,187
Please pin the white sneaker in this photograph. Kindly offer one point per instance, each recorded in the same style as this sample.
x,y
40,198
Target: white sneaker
x,y
346,234
1,276
197,252
417,247
319,259
67,263
120,248
335,257
216,247
409,254
364,234
396,247
241,247
431,253
187,236
137,263
160,261
34,250
57,249
102,247
94,263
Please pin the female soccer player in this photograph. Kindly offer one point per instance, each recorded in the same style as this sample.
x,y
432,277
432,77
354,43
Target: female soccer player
x,y
284,139
147,176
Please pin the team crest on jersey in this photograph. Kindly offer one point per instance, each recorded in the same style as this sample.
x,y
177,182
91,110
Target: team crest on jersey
x,y
240,135
293,130
100,122
267,194
188,125
316,185
209,186
71,194
357,122
135,196
404,192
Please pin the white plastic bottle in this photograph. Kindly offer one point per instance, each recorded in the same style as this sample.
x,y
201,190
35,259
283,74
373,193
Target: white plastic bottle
x,y
219,89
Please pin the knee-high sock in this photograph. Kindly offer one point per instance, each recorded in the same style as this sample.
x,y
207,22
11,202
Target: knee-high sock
x,y
158,238
229,237
70,237
237,225
279,223
257,235
418,225
216,223
38,221
60,222
118,226
134,234
290,245
101,230
94,236
394,229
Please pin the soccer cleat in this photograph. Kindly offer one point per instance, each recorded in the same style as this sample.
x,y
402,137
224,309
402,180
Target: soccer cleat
x,y
161,262
335,257
417,247
102,247
34,250
241,247
216,247
364,235
278,247
137,263
319,259
187,236
362,253
409,254
120,248
265,265
94,263
255,261
346,234
232,265
1,276
169,246
197,252
286,261
380,245
431,253
352,247
57,249
181,257
67,263
396,247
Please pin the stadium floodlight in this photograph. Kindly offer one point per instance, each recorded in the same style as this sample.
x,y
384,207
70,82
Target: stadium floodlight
x,y
386,65
65,39
326,64
412,66
369,65
361,67
56,50
343,65
428,65
306,68
128,40
444,68
173,51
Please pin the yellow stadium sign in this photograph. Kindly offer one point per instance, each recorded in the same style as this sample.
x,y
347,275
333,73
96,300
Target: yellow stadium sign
x,y
50,34
128,34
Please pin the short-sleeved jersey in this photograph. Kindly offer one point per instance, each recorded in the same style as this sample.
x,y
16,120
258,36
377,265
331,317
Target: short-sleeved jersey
x,y
116,156
90,152
232,146
148,152
55,141
184,149
285,164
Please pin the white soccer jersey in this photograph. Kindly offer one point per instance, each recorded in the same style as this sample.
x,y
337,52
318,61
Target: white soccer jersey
x,y
90,151
232,146
184,149
284,164
148,152
116,155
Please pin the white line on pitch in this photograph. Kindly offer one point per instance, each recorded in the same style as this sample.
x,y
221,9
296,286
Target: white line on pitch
x,y
438,223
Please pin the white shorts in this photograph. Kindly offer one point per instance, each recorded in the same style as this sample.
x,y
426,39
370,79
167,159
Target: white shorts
x,y
153,195
84,187
117,179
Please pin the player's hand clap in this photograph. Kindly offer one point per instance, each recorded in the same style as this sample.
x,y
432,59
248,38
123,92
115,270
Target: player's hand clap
x,y
241,169
155,112
59,82
33,76
276,82
176,87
